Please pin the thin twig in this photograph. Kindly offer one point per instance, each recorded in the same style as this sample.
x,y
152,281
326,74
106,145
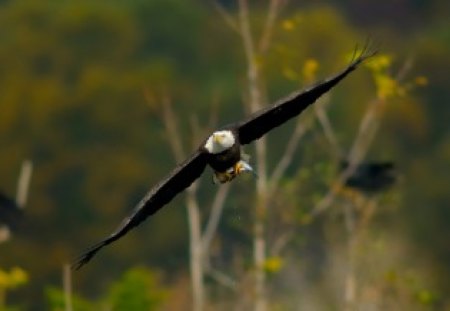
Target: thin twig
x,y
300,130
404,70
328,130
172,129
222,278
214,218
363,137
272,14
280,243
214,111
23,183
350,277
229,20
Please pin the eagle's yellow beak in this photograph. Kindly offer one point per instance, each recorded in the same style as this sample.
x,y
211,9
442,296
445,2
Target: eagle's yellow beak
x,y
217,138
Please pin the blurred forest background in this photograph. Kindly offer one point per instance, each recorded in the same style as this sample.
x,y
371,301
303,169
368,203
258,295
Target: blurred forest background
x,y
92,93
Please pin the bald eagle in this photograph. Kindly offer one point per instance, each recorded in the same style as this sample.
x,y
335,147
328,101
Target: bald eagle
x,y
371,177
10,212
10,216
222,152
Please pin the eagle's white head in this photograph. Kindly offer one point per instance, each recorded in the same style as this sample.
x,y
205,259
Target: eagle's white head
x,y
220,141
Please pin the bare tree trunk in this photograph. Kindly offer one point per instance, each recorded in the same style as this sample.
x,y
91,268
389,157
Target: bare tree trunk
x,y
195,238
350,279
196,250
255,103
67,287
199,242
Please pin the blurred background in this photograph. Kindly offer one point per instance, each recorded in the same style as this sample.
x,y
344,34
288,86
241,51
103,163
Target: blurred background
x,y
83,90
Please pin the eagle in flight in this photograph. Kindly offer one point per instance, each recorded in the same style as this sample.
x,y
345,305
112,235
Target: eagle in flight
x,y
222,151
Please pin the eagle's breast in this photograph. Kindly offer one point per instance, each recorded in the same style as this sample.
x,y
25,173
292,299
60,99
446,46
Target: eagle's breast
x,y
226,159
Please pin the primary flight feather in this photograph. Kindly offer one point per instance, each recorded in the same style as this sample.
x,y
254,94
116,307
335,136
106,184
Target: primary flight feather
x,y
222,152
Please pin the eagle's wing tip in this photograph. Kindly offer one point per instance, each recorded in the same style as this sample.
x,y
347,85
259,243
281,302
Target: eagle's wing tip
x,y
368,50
87,256
81,261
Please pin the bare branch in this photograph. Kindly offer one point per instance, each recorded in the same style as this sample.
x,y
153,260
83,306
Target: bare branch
x,y
350,277
280,243
272,14
363,137
252,68
196,250
256,101
300,129
195,245
328,130
216,213
254,88
407,65
214,111
229,20
172,130
222,278
67,286
23,183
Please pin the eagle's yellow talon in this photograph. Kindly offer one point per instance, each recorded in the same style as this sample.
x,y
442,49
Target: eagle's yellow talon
x,y
232,172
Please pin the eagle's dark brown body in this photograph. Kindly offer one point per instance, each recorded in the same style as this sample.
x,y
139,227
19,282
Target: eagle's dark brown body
x,y
221,162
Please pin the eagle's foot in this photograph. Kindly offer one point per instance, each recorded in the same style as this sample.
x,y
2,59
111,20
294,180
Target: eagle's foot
x,y
231,173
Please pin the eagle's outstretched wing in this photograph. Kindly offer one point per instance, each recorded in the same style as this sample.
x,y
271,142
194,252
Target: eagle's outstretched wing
x,y
264,120
162,193
10,213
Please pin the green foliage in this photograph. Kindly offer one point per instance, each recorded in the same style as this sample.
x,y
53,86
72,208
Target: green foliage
x,y
56,301
13,279
138,289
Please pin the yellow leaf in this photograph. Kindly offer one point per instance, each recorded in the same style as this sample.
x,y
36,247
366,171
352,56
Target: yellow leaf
x,y
18,276
288,25
386,86
421,80
379,62
273,264
310,69
4,279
